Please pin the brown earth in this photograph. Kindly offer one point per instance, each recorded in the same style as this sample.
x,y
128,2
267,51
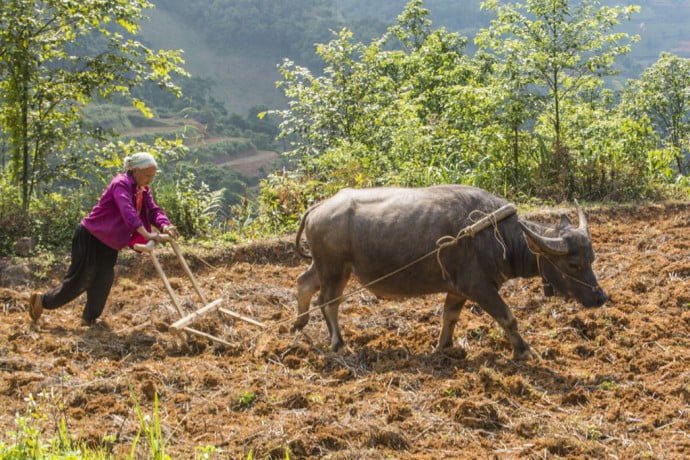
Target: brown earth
x,y
613,382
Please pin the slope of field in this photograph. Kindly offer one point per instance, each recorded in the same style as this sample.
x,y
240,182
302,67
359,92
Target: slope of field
x,y
612,382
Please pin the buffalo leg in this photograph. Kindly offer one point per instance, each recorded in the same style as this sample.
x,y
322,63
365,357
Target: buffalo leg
x,y
307,284
451,313
329,298
492,303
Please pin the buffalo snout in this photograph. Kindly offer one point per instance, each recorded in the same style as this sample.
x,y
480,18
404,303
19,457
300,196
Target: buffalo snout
x,y
598,299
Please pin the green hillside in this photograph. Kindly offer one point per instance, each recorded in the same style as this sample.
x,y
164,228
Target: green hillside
x,y
239,48
242,80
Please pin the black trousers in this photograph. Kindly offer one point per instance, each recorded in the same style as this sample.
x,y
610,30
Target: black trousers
x,y
91,271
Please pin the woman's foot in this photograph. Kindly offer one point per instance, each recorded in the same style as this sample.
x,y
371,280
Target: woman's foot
x,y
88,322
94,323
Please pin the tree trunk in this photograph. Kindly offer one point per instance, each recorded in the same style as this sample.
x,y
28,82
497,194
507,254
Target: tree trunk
x,y
516,156
563,178
679,163
24,101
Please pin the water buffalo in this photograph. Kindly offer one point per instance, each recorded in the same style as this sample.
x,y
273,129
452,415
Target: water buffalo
x,y
372,232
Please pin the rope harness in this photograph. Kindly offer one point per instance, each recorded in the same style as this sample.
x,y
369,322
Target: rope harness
x,y
489,219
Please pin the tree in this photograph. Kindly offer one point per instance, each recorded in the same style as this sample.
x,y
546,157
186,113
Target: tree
x,y
55,57
562,46
378,102
663,94
407,109
516,105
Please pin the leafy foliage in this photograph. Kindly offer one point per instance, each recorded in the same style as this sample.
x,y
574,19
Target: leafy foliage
x,y
381,116
412,108
662,95
563,47
50,220
47,74
525,116
193,207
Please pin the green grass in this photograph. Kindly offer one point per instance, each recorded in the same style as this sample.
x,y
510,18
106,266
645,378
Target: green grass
x,y
45,414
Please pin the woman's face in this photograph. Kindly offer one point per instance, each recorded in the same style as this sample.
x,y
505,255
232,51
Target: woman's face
x,y
144,176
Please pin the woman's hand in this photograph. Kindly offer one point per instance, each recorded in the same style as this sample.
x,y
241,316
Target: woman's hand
x,y
155,236
171,230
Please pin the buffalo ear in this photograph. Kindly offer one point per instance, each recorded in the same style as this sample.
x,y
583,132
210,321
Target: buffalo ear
x,y
544,244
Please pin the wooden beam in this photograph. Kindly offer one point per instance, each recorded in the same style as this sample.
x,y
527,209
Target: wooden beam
x,y
240,317
169,288
208,336
190,318
183,262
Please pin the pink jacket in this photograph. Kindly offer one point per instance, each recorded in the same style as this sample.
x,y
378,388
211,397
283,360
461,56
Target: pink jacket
x,y
114,218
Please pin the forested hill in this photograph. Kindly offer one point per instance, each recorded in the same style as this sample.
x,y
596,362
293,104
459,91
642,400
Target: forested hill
x,y
238,43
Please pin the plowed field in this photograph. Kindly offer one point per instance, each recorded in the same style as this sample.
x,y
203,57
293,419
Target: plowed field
x,y
613,382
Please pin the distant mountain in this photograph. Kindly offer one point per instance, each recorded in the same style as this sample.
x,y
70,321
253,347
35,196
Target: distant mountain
x,y
238,44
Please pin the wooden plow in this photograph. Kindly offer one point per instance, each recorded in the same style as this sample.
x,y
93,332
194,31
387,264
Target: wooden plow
x,y
185,321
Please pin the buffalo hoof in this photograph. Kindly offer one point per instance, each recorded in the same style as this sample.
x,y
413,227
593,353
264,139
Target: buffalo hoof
x,y
452,352
298,326
525,355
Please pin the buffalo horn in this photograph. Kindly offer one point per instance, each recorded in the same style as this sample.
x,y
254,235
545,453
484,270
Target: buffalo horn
x,y
552,246
582,218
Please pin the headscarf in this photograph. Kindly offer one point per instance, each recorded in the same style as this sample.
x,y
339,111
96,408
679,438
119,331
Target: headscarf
x,y
139,160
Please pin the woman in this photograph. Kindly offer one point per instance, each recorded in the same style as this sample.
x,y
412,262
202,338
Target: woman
x,y
123,216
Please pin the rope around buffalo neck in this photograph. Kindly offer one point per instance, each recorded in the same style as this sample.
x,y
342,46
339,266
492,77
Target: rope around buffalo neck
x,y
489,219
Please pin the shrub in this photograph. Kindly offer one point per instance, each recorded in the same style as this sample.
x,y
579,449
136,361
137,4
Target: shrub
x,y
55,215
51,217
190,204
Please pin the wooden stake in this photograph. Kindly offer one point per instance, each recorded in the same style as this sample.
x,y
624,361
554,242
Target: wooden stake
x,y
208,336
